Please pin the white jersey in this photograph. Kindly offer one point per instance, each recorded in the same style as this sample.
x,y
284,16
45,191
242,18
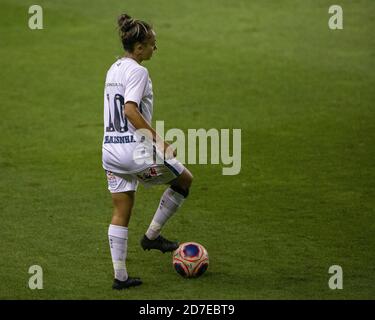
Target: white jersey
x,y
126,81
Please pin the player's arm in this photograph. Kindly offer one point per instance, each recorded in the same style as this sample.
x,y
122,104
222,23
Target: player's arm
x,y
133,115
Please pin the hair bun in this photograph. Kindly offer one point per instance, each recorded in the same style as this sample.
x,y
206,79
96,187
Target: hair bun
x,y
125,22
132,31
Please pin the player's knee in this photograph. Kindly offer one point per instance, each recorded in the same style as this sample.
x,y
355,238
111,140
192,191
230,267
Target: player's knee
x,y
183,183
123,201
188,180
181,190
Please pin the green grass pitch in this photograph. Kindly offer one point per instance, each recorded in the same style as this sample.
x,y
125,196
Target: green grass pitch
x,y
302,94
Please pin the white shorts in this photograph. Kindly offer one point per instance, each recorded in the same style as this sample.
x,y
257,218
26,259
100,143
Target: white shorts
x,y
153,175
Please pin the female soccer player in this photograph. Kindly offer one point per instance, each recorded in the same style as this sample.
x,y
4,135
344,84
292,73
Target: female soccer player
x,y
128,107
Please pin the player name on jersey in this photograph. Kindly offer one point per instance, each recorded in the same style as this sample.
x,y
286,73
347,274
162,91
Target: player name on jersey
x,y
119,139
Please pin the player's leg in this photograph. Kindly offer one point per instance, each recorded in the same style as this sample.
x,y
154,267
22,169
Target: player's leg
x,y
172,198
122,208
123,194
118,232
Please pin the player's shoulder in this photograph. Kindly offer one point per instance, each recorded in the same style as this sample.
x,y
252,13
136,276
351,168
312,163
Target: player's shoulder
x,y
127,63
138,70
128,69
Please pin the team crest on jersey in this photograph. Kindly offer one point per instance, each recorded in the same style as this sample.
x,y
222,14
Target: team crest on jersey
x,y
111,179
149,174
153,172
110,175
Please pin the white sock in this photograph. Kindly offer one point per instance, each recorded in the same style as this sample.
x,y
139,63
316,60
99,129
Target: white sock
x,y
118,242
169,203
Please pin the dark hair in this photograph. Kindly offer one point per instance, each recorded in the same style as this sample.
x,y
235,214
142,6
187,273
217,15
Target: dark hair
x,y
132,31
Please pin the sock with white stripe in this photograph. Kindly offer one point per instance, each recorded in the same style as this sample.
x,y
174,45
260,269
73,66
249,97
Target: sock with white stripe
x,y
118,243
169,203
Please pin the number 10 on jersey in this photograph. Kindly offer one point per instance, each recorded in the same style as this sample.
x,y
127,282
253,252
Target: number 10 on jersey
x,y
117,119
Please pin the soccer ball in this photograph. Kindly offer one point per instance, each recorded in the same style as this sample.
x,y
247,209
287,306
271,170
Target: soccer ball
x,y
190,260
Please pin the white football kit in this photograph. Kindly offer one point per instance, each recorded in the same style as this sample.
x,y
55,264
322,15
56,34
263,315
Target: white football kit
x,y
123,150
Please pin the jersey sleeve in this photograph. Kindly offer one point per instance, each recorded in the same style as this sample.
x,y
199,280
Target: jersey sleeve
x,y
135,85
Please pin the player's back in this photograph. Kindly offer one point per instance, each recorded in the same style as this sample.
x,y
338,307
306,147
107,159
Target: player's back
x,y
126,80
